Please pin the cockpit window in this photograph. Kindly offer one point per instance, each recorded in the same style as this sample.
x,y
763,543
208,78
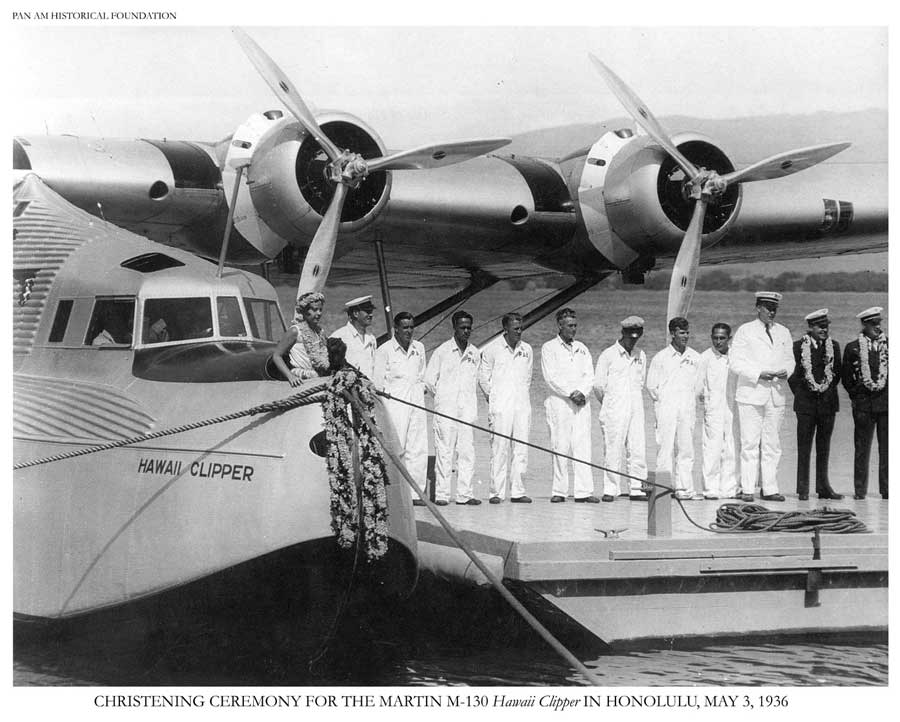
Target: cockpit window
x,y
265,320
230,321
111,322
176,319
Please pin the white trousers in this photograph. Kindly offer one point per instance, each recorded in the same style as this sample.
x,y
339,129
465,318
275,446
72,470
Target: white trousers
x,y
509,460
570,433
719,457
625,449
760,445
412,434
449,438
675,440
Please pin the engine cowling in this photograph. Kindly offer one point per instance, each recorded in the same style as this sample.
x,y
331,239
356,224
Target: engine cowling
x,y
286,193
631,195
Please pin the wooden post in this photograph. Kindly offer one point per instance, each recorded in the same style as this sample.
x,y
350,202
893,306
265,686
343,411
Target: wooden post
x,y
659,507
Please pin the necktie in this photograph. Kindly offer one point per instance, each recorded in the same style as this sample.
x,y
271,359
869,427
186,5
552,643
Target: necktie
x,y
769,334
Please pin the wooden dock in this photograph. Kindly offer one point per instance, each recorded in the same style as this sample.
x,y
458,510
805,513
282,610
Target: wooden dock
x,y
625,585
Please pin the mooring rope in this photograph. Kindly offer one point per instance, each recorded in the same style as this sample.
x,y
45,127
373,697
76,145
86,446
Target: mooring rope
x,y
312,395
532,621
736,519
753,517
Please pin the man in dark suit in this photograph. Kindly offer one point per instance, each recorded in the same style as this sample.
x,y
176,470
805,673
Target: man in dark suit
x,y
864,376
817,371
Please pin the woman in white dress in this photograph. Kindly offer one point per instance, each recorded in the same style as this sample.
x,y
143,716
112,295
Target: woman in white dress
x,y
304,342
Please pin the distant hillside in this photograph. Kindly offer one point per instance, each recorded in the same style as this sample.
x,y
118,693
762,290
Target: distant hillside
x,y
745,140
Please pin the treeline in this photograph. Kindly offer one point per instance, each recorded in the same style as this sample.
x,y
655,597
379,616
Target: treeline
x,y
718,280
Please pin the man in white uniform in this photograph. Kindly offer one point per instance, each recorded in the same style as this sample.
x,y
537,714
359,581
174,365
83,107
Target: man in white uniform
x,y
671,382
568,372
762,357
505,379
452,375
400,370
361,344
716,389
618,385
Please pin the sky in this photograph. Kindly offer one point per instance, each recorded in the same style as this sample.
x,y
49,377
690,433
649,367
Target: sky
x,y
430,83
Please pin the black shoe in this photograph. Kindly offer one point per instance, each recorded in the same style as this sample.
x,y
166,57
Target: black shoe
x,y
469,502
588,500
831,495
859,497
520,499
771,497
441,502
495,500
557,499
804,497
745,497
418,502
638,496
607,497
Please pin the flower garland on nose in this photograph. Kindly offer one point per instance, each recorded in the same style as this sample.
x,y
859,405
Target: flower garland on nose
x,y
865,344
350,512
806,362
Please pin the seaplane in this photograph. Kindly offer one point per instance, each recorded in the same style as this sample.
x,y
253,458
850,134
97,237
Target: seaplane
x,y
113,236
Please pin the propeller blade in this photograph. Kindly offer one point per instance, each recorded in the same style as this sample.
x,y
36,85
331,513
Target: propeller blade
x,y
687,266
642,115
436,155
318,259
285,91
785,163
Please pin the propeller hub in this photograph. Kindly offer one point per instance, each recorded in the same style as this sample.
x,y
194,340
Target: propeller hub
x,y
349,168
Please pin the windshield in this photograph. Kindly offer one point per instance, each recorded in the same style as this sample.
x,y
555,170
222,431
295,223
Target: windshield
x,y
230,321
176,319
264,318
185,319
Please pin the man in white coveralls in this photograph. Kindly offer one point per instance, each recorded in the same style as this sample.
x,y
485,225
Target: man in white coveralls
x,y
569,373
716,389
671,383
400,370
619,385
451,375
762,357
505,379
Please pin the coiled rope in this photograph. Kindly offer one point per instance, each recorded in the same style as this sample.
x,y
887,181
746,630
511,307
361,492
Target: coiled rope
x,y
756,518
730,518
312,395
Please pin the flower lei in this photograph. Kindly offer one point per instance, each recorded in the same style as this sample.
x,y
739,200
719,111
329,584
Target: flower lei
x,y
806,362
346,515
865,371
314,343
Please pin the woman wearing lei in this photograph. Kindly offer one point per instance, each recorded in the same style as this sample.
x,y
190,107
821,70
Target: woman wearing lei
x,y
304,342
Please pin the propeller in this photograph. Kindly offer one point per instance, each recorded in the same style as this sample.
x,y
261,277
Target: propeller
x,y
704,186
346,169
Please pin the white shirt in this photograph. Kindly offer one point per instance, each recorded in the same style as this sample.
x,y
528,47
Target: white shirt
x,y
505,375
567,367
752,352
401,373
360,348
451,376
673,375
715,382
619,374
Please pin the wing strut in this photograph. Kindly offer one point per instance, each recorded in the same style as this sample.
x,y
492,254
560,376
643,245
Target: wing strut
x,y
478,281
385,287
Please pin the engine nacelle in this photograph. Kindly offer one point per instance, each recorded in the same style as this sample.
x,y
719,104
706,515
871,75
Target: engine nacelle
x,y
630,192
286,194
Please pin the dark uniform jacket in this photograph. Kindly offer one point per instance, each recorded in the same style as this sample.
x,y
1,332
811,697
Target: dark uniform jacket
x,y
807,401
875,402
